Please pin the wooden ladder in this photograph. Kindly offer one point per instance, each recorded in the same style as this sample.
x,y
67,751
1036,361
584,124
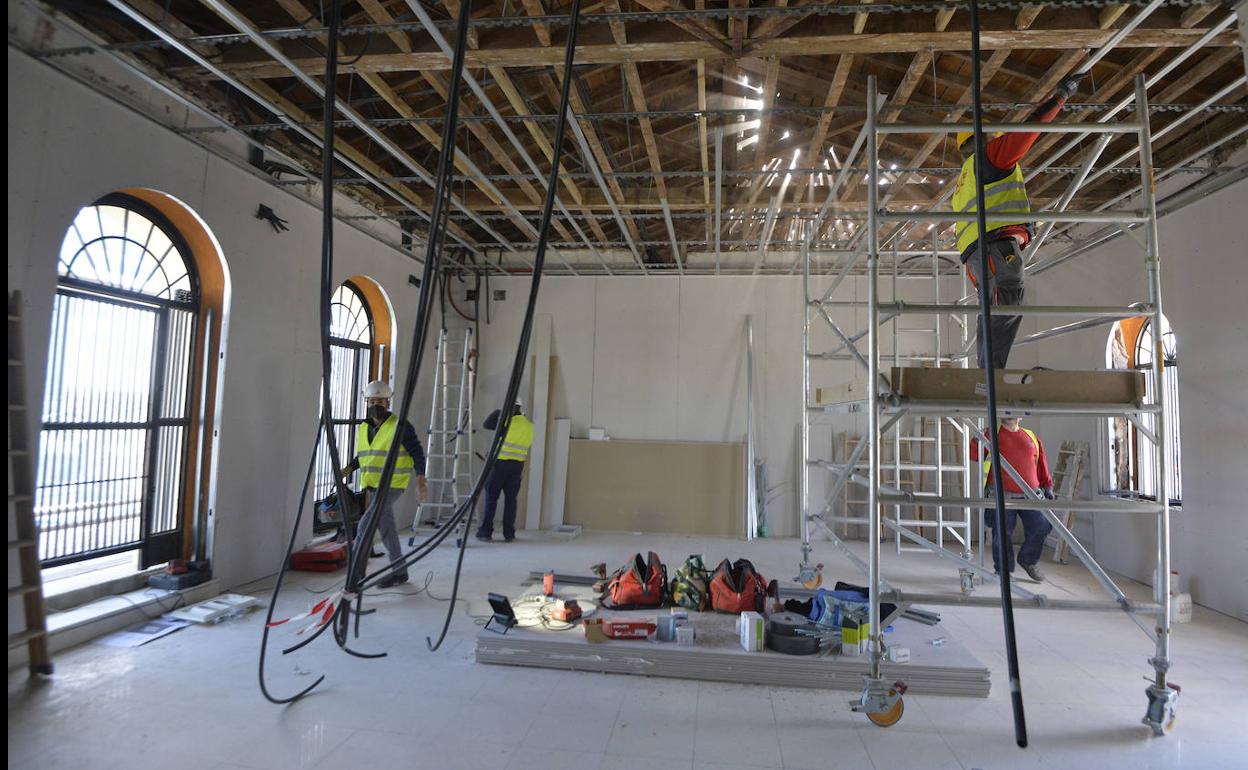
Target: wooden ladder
x,y
23,532
1072,459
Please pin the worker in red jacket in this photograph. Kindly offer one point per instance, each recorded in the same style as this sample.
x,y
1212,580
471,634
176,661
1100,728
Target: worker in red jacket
x,y
1009,219
1023,450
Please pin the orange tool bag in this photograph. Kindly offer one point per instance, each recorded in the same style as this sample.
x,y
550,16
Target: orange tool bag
x,y
641,584
737,587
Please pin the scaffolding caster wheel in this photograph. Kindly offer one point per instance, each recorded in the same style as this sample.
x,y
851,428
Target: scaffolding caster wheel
x,y
882,704
1162,708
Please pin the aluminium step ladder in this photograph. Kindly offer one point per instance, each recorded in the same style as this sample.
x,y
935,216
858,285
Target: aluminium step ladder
x,y
23,534
448,442
1072,459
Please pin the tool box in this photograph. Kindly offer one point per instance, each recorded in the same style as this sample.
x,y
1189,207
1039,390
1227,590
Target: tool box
x,y
322,557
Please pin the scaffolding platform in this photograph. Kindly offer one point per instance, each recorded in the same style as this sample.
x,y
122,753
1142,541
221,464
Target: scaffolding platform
x,y
1020,386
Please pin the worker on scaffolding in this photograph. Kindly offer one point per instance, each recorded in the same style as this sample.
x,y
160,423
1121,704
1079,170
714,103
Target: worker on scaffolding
x,y
1009,228
1024,452
505,478
373,439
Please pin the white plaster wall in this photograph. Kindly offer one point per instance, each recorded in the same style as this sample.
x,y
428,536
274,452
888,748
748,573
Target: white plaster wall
x,y
68,145
1204,284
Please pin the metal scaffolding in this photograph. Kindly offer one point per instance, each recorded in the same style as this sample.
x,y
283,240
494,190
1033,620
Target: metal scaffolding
x,y
886,411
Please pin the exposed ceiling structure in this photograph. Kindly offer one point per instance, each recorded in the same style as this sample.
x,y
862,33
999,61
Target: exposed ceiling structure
x,y
688,112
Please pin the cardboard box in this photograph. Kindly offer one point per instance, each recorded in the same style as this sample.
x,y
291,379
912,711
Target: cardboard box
x,y
750,625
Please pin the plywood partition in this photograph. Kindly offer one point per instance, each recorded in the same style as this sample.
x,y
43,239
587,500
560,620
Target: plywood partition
x,y
694,488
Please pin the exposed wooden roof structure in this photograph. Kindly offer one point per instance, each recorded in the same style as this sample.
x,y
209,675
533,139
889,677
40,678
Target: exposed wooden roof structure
x,y
780,83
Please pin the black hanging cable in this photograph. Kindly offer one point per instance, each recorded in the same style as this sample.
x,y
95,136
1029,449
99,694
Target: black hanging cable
x,y
1000,540
522,348
428,286
277,587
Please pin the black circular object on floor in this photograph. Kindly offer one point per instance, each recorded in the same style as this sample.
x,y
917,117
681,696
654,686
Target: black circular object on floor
x,y
787,623
793,645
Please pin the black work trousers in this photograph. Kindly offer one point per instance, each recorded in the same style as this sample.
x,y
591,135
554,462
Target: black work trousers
x,y
504,480
1004,287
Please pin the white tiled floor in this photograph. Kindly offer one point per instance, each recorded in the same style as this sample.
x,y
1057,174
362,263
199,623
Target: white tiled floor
x,y
191,699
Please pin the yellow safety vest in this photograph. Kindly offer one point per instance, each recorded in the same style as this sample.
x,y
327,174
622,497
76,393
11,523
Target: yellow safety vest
x,y
1035,441
372,455
518,439
1006,198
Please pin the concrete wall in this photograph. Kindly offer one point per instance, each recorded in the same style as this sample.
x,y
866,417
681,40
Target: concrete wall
x,y
1204,282
68,145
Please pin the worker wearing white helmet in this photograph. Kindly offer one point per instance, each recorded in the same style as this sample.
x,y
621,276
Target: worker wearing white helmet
x,y
508,469
373,439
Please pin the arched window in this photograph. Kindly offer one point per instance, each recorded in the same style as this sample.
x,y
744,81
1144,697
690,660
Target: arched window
x,y
117,399
1130,451
351,347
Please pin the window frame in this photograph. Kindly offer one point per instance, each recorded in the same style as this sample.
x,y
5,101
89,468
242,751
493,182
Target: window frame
x,y
174,315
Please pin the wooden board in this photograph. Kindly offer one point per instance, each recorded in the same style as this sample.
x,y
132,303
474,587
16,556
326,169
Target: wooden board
x,y
656,486
1040,386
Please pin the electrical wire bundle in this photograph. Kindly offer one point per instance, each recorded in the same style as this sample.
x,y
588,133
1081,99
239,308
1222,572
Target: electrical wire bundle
x,y
339,615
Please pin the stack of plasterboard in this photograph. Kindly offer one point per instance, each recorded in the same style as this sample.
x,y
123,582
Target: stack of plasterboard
x,y
944,669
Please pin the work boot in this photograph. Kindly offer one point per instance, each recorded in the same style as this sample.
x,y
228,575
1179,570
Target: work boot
x,y
484,538
1033,571
394,579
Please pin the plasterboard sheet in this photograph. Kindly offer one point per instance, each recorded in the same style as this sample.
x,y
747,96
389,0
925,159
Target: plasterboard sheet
x,y
947,669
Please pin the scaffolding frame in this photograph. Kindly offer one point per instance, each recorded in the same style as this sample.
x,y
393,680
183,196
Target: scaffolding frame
x,y
885,409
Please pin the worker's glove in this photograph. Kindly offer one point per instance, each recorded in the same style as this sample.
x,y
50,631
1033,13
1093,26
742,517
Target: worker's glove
x,y
1048,493
1070,86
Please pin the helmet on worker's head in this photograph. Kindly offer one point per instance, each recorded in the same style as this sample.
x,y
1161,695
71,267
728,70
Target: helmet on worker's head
x,y
378,389
519,405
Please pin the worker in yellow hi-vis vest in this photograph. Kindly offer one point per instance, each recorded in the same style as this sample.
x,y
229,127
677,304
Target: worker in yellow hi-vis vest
x,y
1008,218
373,439
505,478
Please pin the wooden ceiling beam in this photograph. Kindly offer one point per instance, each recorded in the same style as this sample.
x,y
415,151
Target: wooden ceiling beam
x,y
701,29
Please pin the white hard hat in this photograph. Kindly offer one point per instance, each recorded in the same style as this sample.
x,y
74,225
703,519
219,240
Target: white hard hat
x,y
519,404
378,389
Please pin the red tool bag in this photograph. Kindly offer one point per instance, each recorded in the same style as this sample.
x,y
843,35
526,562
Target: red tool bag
x,y
638,585
322,557
737,587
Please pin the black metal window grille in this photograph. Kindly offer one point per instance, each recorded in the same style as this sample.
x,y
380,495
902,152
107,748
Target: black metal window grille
x,y
1132,453
117,395
351,354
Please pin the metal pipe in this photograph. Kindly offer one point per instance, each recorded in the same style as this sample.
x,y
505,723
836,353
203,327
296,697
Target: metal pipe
x,y
751,490
1092,311
243,25
671,234
268,106
1172,125
876,635
440,40
1037,602
1090,506
1012,128
1161,456
592,162
719,194
1020,409
1153,79
1066,329
1068,196
1035,216
804,429
1118,36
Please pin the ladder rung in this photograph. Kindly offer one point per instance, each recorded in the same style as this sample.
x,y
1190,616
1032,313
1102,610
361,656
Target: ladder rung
x,y
19,452
20,498
22,590
14,362
438,505
17,407
18,639
25,542
14,318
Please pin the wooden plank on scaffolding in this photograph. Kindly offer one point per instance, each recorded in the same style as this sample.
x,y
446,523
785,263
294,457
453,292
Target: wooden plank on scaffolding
x,y
1021,385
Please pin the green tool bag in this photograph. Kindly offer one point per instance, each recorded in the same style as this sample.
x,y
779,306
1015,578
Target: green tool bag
x,y
689,587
